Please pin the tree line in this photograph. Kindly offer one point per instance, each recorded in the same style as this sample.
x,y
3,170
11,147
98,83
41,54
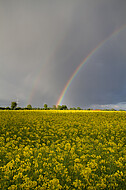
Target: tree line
x,y
14,106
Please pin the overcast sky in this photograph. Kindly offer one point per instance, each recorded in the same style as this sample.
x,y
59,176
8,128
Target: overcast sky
x,y
42,42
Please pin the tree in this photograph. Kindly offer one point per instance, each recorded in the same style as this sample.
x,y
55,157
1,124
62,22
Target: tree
x,y
73,108
89,109
64,107
78,108
18,108
54,107
8,108
29,107
45,106
59,107
13,105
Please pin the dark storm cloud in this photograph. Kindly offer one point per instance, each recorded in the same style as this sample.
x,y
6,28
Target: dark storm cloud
x,y
103,77
54,37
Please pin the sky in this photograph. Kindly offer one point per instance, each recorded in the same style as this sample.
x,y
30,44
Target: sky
x,y
42,42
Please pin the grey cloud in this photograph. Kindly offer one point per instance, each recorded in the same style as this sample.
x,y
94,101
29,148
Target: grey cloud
x,y
43,42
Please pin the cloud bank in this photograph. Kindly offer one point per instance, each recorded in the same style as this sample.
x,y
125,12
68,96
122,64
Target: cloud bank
x,y
43,42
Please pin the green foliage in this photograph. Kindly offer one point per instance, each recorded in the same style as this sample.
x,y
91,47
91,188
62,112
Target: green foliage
x,y
63,107
89,109
59,107
54,107
13,105
78,108
73,108
45,106
18,108
7,108
29,107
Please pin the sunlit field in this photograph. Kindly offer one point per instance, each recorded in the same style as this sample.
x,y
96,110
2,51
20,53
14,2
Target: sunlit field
x,y
62,150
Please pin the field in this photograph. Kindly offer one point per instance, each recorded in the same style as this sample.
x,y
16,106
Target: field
x,y
62,150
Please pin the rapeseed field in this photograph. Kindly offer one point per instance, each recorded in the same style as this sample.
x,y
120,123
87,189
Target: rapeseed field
x,y
62,150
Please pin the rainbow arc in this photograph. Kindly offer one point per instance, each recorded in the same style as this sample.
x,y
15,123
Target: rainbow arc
x,y
72,77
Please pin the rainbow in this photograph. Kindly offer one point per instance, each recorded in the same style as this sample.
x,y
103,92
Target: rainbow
x,y
42,69
44,66
67,85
